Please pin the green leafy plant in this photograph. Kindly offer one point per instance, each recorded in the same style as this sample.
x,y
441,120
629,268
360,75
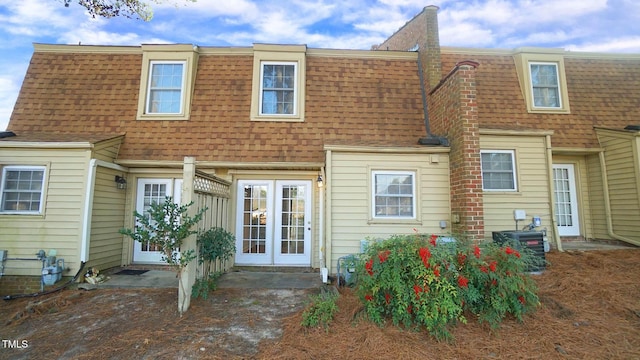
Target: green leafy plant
x,y
165,226
421,282
215,244
498,285
321,310
203,286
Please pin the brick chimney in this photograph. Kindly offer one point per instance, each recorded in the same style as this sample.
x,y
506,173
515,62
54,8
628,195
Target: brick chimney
x,y
420,33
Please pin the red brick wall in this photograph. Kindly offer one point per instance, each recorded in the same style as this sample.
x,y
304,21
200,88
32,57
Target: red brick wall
x,y
453,113
422,31
12,285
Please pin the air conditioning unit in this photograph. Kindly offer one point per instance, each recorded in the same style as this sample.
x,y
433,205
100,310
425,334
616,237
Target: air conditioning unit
x,y
532,240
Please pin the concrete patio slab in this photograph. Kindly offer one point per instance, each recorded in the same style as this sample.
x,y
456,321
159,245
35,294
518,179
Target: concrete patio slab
x,y
234,279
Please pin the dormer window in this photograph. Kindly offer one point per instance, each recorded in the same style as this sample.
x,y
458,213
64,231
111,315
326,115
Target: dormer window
x,y
542,80
167,78
278,86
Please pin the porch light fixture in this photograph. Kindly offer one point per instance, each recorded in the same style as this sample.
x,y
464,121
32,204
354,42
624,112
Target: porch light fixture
x,y
121,182
319,181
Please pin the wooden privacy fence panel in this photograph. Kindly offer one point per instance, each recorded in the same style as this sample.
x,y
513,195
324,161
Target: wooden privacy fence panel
x,y
212,193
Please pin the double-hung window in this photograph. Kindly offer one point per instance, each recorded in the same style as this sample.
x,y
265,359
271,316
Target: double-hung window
x,y
543,80
22,189
167,79
498,170
278,88
545,85
394,194
278,83
166,85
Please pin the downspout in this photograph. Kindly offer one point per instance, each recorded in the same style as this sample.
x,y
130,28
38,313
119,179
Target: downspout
x,y
607,204
88,204
328,239
552,199
321,220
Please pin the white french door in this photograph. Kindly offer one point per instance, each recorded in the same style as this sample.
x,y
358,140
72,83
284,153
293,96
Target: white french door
x,y
153,191
566,200
273,225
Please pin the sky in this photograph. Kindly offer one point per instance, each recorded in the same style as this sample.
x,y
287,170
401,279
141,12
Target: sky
x,y
577,25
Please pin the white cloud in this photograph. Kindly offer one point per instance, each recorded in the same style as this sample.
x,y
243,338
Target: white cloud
x,y
35,17
619,45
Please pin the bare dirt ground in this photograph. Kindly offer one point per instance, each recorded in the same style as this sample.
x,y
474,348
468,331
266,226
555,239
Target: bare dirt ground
x,y
590,309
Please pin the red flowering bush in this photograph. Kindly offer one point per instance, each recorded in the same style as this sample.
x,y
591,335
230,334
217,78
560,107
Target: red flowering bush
x,y
420,282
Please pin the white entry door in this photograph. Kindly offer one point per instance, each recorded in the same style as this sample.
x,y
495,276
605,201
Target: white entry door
x,y
566,200
273,223
153,191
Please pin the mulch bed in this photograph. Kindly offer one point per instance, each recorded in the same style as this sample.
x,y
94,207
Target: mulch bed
x,y
590,308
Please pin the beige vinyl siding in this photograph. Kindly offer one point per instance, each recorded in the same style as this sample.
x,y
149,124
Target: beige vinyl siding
x,y
351,193
105,242
532,184
597,211
621,156
107,150
59,226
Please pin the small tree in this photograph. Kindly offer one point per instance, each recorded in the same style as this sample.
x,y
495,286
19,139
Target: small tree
x,y
166,226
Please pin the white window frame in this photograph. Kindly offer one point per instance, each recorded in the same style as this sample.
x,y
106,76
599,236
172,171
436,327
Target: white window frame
x,y
294,89
414,195
513,170
557,84
5,169
150,88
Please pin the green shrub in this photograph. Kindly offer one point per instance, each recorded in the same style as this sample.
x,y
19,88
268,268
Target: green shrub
x,y
321,310
215,244
202,287
418,281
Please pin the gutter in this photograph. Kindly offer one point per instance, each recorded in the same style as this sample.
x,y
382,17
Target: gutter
x,y
607,205
88,203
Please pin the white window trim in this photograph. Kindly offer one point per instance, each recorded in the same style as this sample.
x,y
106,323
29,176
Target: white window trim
x,y
147,106
284,54
558,88
295,87
513,173
42,190
414,196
